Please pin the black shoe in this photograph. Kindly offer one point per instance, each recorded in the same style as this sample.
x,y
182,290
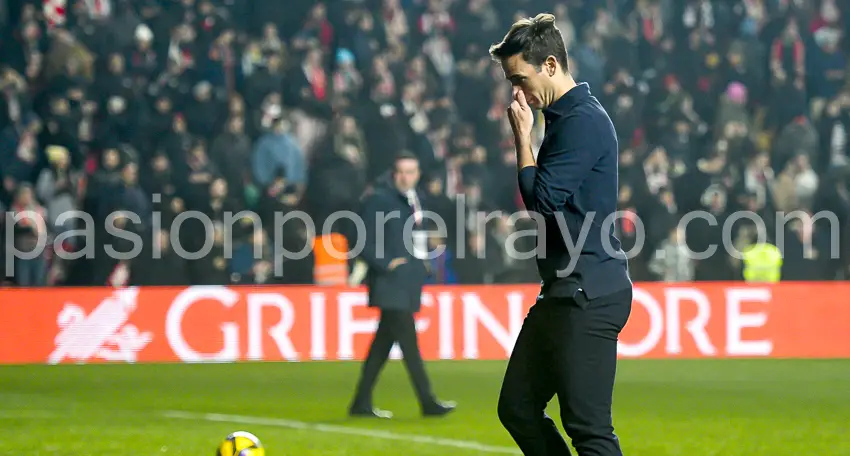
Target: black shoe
x,y
439,408
370,413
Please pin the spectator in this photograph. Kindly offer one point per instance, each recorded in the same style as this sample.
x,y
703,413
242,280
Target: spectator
x,y
19,151
202,115
347,80
58,186
442,269
231,153
311,90
199,172
30,236
143,60
806,250
827,63
159,182
317,29
395,20
671,262
338,175
733,113
249,267
798,136
278,149
833,131
436,19
104,182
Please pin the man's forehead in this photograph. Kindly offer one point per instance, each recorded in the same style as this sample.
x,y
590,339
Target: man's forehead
x,y
515,65
514,62
407,164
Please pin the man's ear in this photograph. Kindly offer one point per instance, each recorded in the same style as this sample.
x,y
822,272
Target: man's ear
x,y
551,65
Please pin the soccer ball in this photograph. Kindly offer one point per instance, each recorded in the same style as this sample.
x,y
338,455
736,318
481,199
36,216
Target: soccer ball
x,y
241,443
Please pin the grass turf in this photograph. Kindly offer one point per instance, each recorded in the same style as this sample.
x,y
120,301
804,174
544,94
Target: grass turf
x,y
675,408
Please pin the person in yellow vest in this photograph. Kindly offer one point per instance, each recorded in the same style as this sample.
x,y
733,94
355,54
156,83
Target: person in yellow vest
x,y
762,263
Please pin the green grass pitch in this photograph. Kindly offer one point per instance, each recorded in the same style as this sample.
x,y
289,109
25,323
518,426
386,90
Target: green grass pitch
x,y
671,407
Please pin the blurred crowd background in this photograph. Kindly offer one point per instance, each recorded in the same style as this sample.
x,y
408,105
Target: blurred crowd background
x,y
275,106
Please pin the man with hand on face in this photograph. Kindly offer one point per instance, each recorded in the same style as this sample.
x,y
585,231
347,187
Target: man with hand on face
x,y
393,217
568,342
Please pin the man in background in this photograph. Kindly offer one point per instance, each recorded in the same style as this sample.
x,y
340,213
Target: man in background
x,y
395,278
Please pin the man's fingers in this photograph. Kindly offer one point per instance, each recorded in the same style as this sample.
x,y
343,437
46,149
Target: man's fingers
x,y
520,97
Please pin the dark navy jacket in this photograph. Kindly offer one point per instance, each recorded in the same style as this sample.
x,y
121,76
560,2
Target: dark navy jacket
x,y
574,188
401,288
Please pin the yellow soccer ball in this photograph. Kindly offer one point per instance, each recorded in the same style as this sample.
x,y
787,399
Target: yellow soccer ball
x,y
241,443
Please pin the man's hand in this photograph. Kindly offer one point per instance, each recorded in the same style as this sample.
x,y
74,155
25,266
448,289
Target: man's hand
x,y
522,119
396,262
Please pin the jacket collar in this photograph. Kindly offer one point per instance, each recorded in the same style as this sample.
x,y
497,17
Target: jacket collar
x,y
392,190
563,105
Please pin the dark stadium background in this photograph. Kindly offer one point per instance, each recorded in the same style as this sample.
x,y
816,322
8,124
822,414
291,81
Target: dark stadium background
x,y
720,106
274,106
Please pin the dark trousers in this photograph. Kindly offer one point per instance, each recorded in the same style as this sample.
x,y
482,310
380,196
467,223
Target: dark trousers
x,y
394,326
568,347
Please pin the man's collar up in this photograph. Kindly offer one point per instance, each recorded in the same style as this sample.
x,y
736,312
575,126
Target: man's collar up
x,y
563,105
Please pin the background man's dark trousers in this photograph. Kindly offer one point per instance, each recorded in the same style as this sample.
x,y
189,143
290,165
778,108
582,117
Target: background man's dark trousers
x,y
394,326
567,347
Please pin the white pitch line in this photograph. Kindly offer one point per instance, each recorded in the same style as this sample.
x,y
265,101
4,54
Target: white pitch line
x,y
334,429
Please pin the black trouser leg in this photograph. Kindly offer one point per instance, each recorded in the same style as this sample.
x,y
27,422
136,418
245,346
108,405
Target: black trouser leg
x,y
379,352
527,387
566,347
583,336
404,330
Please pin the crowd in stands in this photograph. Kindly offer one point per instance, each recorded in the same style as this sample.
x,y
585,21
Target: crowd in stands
x,y
158,107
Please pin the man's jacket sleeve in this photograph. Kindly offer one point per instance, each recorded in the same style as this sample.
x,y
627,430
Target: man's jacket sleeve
x,y
562,165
